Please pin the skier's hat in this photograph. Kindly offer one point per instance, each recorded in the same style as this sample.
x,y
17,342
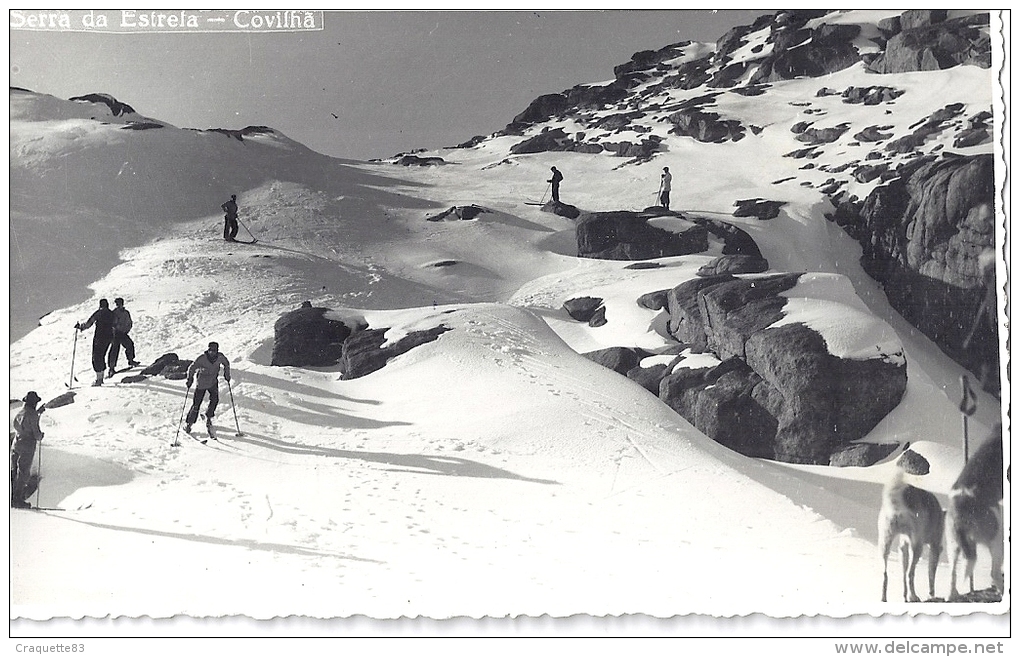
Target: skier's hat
x,y
32,398
214,345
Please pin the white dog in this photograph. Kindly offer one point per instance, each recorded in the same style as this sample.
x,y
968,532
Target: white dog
x,y
915,516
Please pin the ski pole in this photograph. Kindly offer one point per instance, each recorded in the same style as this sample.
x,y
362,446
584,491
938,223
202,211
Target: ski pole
x,y
247,229
74,349
177,433
545,192
234,408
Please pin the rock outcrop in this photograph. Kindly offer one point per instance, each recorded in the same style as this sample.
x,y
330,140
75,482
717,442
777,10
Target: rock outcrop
x,y
366,351
928,237
305,337
778,392
627,235
927,41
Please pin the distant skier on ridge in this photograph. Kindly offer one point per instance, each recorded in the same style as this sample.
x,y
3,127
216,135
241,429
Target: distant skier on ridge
x,y
230,219
556,179
103,338
207,368
664,187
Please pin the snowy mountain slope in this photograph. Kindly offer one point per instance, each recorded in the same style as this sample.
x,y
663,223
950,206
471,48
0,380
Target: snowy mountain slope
x,y
493,471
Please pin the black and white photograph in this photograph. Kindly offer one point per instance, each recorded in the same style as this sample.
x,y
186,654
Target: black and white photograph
x,y
676,323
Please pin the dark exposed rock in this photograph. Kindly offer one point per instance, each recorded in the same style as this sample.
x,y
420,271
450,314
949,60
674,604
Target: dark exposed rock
x,y
705,126
239,135
757,207
646,59
809,53
598,318
643,150
582,308
116,107
416,161
160,363
649,378
733,310
686,323
861,455
720,402
815,136
734,264
923,236
644,265
550,140
810,152
595,96
972,137
624,235
306,337
459,213
805,402
617,121
364,353
542,109
141,125
915,18
871,95
561,209
872,134
827,401
867,173
619,359
927,45
471,143
653,300
930,126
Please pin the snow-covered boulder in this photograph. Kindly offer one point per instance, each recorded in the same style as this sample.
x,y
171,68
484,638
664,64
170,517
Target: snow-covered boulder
x,y
827,370
624,235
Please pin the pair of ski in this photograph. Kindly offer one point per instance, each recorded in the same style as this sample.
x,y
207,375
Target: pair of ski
x,y
209,431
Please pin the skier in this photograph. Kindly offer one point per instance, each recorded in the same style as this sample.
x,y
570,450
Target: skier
x,y
557,177
230,219
121,327
664,187
207,368
27,435
101,341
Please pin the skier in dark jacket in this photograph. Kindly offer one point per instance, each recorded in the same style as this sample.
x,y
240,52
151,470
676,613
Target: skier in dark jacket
x,y
122,324
207,369
27,435
230,219
101,341
556,179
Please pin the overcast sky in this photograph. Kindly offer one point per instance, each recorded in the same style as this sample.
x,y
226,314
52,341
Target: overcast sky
x,y
396,80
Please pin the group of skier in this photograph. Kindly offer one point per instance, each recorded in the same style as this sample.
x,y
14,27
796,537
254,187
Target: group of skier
x,y
113,328
112,331
665,185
